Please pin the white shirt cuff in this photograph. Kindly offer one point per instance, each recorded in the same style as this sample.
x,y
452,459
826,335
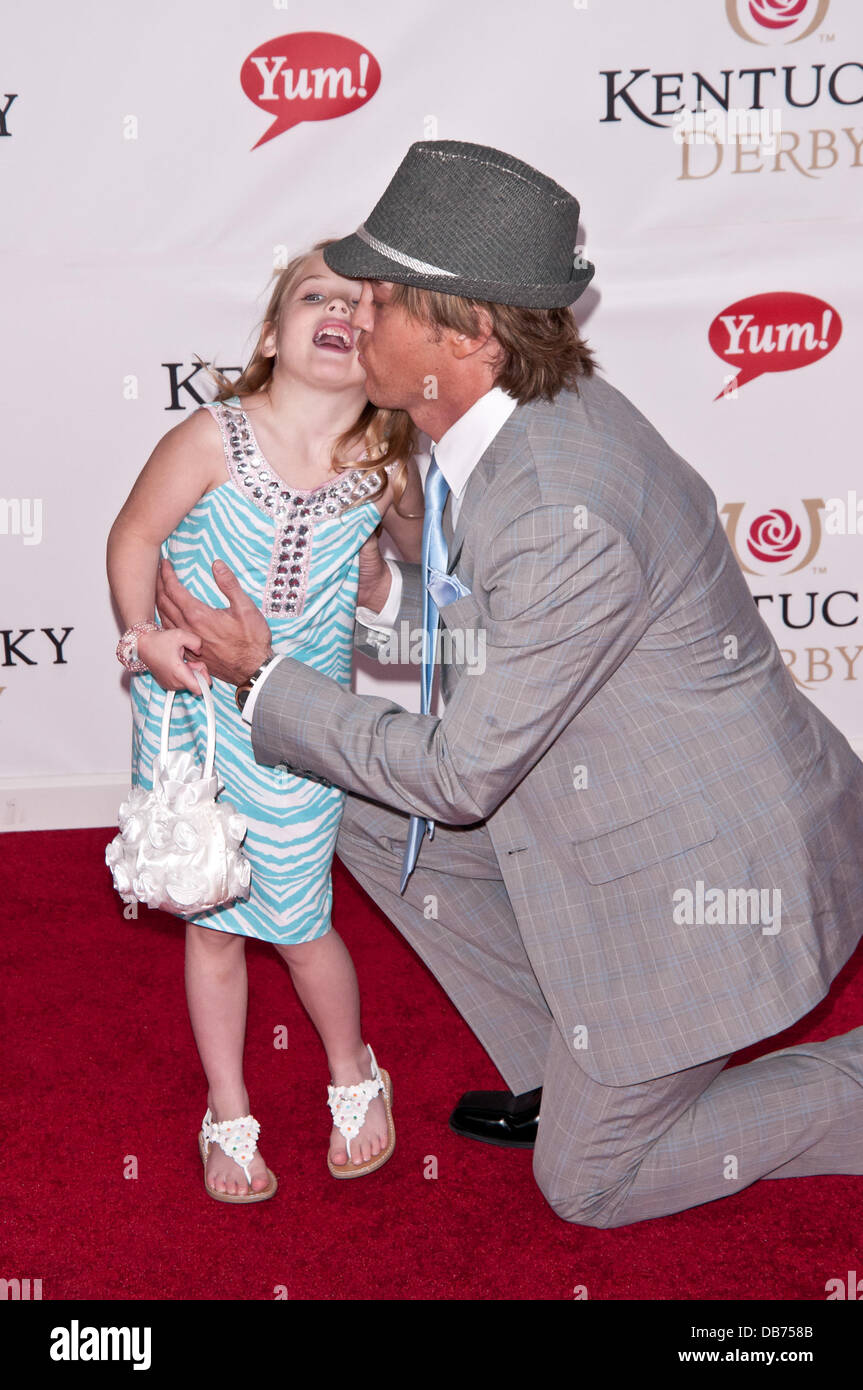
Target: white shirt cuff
x,y
252,696
385,620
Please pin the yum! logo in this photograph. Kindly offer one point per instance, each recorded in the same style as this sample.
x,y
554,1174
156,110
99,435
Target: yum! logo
x,y
775,21
775,332
308,77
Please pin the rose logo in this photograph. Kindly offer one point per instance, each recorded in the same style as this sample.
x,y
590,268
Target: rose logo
x,y
788,20
776,14
773,537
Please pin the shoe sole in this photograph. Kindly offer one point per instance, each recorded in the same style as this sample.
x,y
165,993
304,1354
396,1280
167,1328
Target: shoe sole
x,y
498,1143
235,1197
350,1170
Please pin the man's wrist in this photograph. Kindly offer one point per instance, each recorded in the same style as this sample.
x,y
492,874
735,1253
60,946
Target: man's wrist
x,y
251,699
268,656
244,689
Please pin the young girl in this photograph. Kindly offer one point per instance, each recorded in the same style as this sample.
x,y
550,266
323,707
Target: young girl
x,y
284,476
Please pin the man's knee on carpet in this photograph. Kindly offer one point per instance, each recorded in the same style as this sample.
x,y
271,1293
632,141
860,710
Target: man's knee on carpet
x,y
600,1210
585,1202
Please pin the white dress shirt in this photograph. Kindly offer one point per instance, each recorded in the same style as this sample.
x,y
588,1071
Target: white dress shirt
x,y
457,453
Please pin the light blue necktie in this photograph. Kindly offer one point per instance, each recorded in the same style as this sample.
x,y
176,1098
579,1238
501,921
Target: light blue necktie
x,y
434,558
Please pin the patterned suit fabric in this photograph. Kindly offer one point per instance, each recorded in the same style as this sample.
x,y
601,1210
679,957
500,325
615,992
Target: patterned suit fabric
x,y
613,748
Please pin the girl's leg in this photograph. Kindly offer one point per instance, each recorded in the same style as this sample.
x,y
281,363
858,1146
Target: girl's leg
x,y
217,994
324,978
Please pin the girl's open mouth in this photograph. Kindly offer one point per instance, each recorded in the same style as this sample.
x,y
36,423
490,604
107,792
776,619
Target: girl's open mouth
x,y
334,336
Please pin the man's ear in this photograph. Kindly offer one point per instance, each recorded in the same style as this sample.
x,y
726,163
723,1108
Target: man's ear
x,y
463,345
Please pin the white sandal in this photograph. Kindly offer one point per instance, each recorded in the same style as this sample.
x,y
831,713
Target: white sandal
x,y
238,1139
348,1105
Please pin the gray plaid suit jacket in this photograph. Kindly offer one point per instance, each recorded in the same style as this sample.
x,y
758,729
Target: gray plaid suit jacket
x,y
632,731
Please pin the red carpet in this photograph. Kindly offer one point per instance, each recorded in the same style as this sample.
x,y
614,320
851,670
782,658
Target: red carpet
x,y
101,1065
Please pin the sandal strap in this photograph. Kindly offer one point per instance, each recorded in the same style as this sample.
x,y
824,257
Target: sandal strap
x,y
238,1139
349,1104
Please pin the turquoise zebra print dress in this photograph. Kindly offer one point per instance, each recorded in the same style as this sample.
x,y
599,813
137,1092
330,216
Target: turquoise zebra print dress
x,y
297,555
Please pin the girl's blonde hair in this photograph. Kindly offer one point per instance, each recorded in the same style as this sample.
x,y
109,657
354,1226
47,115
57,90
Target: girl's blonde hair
x,y
386,434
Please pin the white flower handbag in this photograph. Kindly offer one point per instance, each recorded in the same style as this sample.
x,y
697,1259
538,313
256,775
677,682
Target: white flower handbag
x,y
179,848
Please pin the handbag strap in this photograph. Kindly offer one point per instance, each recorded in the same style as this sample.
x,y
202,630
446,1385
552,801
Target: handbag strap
x,y
211,724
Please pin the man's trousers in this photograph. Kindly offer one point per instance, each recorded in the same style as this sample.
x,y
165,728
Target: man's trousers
x,y
605,1155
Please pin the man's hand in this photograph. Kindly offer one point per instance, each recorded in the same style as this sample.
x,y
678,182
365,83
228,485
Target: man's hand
x,y
375,577
235,640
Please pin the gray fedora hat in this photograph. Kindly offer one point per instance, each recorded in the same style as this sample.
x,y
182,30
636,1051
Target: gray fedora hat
x,y
473,221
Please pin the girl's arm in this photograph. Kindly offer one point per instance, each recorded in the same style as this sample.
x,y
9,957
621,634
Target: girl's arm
x,y
184,465
406,532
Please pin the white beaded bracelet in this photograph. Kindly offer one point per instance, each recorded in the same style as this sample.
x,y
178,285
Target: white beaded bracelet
x,y
127,647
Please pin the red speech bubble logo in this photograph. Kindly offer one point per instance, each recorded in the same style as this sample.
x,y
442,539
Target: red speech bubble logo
x,y
775,332
308,77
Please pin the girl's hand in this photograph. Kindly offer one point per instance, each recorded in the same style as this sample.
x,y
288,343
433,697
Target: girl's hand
x,y
163,653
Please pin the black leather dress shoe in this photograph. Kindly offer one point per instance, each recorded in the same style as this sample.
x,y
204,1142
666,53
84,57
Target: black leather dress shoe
x,y
498,1117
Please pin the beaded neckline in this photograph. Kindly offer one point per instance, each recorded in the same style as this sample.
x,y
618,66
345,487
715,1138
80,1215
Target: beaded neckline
x,y
288,487
269,492
267,488
297,514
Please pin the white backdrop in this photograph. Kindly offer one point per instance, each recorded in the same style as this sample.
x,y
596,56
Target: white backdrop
x,y
142,219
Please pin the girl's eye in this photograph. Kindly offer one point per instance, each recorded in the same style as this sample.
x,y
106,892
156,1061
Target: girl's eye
x,y
316,294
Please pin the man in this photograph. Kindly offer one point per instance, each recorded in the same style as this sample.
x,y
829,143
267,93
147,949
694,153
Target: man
x,y
645,849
